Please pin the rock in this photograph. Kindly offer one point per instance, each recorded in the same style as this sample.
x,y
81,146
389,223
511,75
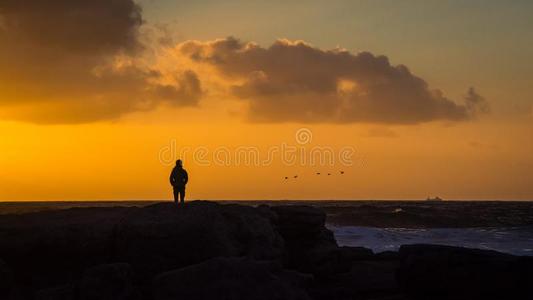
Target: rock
x,y
387,255
6,281
108,282
325,259
103,282
267,212
365,280
48,248
298,221
311,247
162,237
321,260
63,292
444,272
231,278
232,252
356,253
373,277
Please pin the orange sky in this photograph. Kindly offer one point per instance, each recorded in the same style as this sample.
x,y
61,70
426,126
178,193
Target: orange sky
x,y
97,114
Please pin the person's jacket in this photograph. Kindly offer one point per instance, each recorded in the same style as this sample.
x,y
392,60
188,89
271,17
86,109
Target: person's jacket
x,y
179,177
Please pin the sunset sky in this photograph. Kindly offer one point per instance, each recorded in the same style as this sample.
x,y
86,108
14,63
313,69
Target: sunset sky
x,y
98,98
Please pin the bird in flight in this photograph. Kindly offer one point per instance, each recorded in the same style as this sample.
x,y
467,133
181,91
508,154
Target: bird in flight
x,y
329,174
286,177
295,176
318,173
342,172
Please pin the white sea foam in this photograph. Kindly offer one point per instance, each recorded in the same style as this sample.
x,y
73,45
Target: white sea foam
x,y
514,240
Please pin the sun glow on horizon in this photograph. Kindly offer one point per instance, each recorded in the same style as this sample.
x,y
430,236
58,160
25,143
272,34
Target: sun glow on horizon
x,y
87,108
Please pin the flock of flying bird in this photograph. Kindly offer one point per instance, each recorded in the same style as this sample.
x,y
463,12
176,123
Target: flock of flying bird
x,y
318,173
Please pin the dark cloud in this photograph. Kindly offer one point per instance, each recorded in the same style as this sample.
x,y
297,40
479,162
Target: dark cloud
x,y
293,81
475,103
74,25
80,61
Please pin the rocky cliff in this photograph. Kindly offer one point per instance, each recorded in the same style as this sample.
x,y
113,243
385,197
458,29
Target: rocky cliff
x,y
207,250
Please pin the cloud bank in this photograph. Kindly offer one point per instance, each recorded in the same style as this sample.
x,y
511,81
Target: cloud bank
x,y
65,61
294,81
76,61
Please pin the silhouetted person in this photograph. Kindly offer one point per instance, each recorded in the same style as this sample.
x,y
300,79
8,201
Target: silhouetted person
x,y
178,180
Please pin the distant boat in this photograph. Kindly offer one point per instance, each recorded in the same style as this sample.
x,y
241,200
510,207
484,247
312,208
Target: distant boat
x,y
436,199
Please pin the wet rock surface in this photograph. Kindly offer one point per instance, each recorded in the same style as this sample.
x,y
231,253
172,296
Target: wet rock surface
x,y
207,250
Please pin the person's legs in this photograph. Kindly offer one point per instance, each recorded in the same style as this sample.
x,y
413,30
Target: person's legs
x,y
176,195
182,196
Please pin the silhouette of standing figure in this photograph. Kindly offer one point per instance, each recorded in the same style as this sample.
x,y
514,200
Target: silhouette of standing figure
x,y
178,180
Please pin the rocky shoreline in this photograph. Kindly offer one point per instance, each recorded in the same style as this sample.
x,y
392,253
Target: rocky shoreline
x,y
229,251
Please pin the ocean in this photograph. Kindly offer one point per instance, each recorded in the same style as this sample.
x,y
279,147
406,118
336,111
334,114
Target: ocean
x,y
503,226
512,240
